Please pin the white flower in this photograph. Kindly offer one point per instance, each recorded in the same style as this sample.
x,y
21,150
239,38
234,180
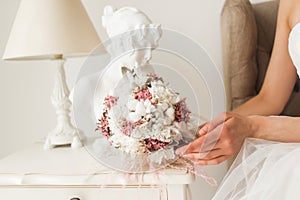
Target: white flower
x,y
131,104
164,106
161,93
127,144
149,107
161,155
140,109
133,116
170,113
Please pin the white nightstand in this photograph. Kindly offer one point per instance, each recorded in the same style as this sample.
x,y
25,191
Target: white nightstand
x,y
65,173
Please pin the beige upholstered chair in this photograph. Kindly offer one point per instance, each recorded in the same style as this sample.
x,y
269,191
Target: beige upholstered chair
x,y
248,32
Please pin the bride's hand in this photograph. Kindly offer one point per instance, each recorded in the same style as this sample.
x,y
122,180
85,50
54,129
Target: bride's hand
x,y
219,139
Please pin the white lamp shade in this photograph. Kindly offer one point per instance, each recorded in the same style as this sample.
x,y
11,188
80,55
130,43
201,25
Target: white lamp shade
x,y
44,28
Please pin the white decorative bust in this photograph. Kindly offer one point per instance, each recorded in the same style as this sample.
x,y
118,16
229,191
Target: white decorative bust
x,y
132,38
130,30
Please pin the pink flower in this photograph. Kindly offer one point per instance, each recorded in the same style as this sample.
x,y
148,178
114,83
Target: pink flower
x,y
154,144
143,95
138,123
182,113
127,127
103,125
110,101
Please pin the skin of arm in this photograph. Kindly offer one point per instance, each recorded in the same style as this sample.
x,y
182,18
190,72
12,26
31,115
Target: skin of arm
x,y
223,137
276,128
281,74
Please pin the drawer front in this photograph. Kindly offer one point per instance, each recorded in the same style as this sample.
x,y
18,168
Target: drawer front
x,y
80,193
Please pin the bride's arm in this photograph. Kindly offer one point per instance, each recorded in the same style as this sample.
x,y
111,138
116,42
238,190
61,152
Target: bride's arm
x,y
281,74
223,137
277,128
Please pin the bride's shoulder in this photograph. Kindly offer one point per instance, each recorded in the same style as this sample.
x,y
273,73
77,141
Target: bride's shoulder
x,y
289,12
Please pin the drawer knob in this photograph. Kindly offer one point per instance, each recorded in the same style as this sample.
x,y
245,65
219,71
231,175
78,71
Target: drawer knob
x,y
75,198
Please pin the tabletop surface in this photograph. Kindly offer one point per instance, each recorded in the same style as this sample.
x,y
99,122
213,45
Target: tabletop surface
x,y
66,166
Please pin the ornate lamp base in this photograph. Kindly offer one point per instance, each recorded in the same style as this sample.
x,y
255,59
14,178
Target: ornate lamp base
x,y
64,133
63,136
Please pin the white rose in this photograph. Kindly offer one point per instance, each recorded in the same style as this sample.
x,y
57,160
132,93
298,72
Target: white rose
x,y
140,109
164,106
170,112
133,116
131,104
167,121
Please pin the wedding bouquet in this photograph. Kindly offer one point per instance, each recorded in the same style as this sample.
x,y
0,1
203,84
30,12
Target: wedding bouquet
x,y
145,116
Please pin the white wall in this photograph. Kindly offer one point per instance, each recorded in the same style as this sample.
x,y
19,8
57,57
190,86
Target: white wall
x,y
26,114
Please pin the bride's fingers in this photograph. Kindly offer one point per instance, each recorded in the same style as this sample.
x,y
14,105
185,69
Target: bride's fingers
x,y
208,141
205,143
181,150
214,161
204,155
212,139
203,129
217,151
219,120
194,146
209,126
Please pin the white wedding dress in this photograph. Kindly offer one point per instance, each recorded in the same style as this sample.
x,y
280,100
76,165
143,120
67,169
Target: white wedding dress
x,y
266,170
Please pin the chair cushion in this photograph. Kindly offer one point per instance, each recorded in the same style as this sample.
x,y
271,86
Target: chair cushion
x,y
239,36
266,17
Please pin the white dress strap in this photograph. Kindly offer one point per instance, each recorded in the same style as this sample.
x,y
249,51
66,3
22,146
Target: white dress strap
x,y
294,46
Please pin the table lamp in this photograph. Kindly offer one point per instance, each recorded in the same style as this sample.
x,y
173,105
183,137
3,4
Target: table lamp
x,y
54,30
